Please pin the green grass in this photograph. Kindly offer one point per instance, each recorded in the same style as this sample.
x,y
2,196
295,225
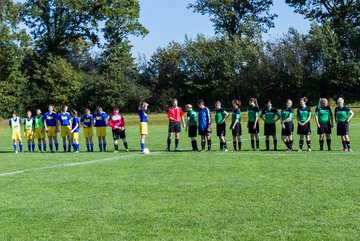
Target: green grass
x,y
180,196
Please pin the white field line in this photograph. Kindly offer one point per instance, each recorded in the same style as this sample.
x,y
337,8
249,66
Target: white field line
x,y
72,164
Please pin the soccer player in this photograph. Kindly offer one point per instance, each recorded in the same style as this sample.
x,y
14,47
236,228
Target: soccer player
x,y
287,125
270,116
29,126
176,116
235,126
15,124
52,128
75,131
343,116
87,123
324,121
191,126
40,130
253,123
204,122
100,125
65,127
143,107
221,116
117,124
304,129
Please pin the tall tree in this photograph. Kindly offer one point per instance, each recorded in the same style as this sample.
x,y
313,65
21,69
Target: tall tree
x,y
232,17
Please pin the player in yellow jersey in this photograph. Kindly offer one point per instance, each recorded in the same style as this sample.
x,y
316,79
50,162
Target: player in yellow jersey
x,y
29,127
15,124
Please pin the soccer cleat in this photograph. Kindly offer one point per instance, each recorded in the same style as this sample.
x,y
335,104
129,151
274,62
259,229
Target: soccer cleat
x,y
300,150
309,149
16,152
177,149
350,150
115,151
345,150
127,150
167,149
226,150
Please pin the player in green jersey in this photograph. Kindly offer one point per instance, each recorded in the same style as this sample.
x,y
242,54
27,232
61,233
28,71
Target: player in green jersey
x,y
343,116
324,121
304,117
253,123
191,126
221,116
287,125
270,116
235,126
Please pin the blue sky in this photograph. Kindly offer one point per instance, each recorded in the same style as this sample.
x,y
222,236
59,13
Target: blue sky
x,y
169,20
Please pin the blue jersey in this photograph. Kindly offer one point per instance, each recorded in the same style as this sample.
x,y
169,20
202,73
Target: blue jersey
x,y
87,120
204,118
10,121
64,119
143,116
100,119
50,119
75,121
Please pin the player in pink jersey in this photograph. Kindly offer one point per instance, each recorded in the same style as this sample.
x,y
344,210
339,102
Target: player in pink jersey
x,y
117,124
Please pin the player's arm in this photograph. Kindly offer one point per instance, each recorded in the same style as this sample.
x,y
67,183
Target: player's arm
x,y
76,126
350,116
317,118
308,119
262,115
170,116
256,120
278,116
45,125
331,119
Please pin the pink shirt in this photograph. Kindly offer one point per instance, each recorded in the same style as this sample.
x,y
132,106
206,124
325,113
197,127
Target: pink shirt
x,y
116,120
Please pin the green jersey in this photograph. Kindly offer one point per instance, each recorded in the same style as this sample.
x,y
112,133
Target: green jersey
x,y
220,115
29,124
287,113
303,113
39,121
15,124
342,113
323,113
191,116
253,112
270,114
236,115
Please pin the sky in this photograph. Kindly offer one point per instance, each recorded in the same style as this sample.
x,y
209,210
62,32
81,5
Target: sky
x,y
170,20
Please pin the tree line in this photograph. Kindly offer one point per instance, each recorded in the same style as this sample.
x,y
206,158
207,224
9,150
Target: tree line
x,y
47,55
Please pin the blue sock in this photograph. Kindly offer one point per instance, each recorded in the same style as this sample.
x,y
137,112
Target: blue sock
x,y
39,147
77,147
29,147
100,147
44,147
14,147
69,148
104,146
142,146
33,147
64,146
51,147
92,147
20,145
87,147
56,146
74,146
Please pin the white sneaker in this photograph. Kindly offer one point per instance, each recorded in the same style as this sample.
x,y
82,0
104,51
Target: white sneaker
x,y
226,150
309,149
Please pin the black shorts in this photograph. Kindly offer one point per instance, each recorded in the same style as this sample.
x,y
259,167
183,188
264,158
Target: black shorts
x,y
269,129
221,129
237,130
325,128
175,127
304,130
342,128
192,131
289,129
205,132
118,134
251,129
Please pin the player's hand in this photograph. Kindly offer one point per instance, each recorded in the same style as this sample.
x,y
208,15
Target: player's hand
x,y
46,130
283,126
318,125
254,127
85,126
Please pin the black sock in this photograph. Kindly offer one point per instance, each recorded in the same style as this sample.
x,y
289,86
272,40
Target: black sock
x,y
344,144
301,143
257,144
253,144
275,144
287,144
203,145
221,145
234,144
194,145
321,143
116,147
291,145
126,145
209,144
225,145
348,144
267,142
328,141
239,144
168,143
176,143
308,143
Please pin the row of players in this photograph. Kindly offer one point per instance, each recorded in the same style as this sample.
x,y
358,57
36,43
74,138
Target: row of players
x,y
68,125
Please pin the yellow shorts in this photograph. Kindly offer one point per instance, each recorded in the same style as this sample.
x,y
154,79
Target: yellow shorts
x,y
88,132
101,131
39,133
143,128
65,131
16,135
75,136
29,135
52,131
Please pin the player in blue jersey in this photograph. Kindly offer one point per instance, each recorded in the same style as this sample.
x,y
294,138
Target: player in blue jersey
x,y
204,125
52,128
100,123
75,130
87,123
143,107
65,127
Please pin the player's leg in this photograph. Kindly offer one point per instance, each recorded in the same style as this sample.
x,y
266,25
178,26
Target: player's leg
x,y
348,145
239,142
142,141
252,137
170,134
328,141
308,142
321,141
257,141
267,142
15,146
275,142
301,142
177,140
103,138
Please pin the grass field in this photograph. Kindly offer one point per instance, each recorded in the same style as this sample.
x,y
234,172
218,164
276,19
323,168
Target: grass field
x,y
180,196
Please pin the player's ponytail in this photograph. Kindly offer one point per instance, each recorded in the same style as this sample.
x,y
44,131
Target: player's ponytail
x,y
237,102
304,99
